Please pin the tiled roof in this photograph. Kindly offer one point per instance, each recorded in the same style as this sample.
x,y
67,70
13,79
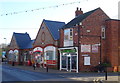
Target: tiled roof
x,y
29,45
79,19
23,40
54,27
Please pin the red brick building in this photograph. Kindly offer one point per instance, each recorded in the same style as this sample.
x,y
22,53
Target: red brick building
x,y
45,47
88,40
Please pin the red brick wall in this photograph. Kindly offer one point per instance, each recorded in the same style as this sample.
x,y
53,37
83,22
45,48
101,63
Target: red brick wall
x,y
94,57
112,41
61,40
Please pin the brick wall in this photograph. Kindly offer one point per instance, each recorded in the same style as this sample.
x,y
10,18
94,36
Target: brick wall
x,y
47,39
13,44
112,41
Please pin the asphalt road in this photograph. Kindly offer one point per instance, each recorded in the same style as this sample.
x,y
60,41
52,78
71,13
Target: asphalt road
x,y
16,74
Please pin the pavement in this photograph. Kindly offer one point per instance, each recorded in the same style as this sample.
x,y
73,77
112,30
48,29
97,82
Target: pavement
x,y
81,76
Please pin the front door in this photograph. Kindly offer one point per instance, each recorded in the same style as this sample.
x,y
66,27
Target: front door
x,y
68,63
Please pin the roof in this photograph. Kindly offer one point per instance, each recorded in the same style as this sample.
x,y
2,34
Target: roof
x,y
30,44
54,27
113,19
23,40
79,19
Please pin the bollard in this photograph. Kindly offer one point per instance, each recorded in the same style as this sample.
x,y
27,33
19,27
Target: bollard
x,y
106,74
46,68
13,64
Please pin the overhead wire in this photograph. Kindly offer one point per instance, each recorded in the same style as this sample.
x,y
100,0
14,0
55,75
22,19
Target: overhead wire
x,y
37,9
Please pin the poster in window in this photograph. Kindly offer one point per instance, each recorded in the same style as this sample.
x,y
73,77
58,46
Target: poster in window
x,y
85,48
86,60
95,48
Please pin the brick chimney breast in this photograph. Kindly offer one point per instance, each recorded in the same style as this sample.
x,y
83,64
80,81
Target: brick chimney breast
x,y
78,12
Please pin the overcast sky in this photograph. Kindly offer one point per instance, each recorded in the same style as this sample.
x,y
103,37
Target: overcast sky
x,y
30,21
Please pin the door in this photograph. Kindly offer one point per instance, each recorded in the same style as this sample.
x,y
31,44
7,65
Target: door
x,y
68,63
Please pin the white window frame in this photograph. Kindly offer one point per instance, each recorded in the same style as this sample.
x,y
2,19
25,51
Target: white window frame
x,y
50,48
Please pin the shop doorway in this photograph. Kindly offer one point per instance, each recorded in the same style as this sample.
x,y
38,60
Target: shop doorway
x,y
68,64
69,59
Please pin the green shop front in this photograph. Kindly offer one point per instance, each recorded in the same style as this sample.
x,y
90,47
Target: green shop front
x,y
69,59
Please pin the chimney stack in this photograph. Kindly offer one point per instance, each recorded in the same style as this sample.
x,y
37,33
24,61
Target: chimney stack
x,y
78,12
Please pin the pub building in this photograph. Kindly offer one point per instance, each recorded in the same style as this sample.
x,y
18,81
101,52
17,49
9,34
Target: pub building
x,y
85,41
46,43
20,49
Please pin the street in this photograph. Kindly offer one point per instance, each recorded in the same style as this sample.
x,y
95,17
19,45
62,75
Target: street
x,y
18,73
15,74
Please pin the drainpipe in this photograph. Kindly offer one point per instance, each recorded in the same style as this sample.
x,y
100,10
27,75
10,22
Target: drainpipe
x,y
79,46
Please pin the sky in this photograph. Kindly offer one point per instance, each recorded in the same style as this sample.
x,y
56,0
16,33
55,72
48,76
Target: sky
x,y
30,21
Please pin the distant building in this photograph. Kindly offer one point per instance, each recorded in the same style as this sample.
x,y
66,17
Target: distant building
x,y
88,40
20,46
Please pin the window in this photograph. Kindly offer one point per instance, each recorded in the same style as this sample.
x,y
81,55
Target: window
x,y
50,55
68,37
103,33
64,58
68,34
71,34
74,62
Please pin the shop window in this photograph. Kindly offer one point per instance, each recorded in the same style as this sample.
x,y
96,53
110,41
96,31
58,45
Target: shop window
x,y
50,55
74,62
64,58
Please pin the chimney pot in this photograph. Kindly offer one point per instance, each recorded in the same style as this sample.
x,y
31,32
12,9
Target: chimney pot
x,y
80,9
78,12
77,8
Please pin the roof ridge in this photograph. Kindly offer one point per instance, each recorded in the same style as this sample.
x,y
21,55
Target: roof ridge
x,y
53,21
20,33
79,18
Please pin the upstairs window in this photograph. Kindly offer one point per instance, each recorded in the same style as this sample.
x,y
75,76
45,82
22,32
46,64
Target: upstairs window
x,y
68,34
68,37
103,32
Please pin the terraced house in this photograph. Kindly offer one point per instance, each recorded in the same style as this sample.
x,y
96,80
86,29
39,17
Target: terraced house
x,y
89,40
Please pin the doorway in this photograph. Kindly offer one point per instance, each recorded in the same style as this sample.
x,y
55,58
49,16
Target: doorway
x,y
68,64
